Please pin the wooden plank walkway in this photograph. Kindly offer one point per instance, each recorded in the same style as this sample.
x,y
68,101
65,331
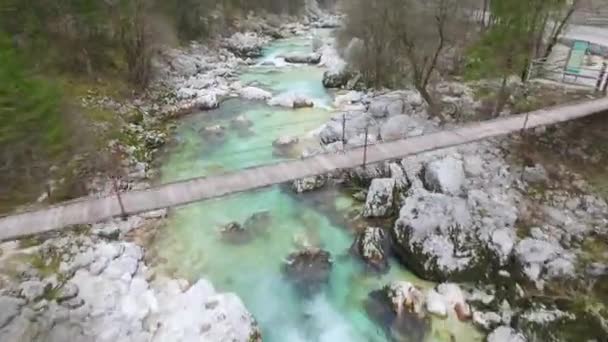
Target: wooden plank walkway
x,y
91,210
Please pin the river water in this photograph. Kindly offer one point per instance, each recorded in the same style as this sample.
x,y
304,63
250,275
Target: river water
x,y
190,245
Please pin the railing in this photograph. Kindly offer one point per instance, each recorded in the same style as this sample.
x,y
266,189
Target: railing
x,y
556,70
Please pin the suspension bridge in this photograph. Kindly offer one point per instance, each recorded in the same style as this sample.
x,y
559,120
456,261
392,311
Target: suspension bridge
x,y
91,210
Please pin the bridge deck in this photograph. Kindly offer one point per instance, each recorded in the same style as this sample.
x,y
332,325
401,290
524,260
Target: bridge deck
x,y
91,210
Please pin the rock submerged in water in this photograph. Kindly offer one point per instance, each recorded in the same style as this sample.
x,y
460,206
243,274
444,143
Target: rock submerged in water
x,y
258,223
255,225
241,123
308,270
285,146
235,233
398,308
372,245
214,133
309,184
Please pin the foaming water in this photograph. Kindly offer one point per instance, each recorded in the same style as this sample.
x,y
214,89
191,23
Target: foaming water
x,y
191,246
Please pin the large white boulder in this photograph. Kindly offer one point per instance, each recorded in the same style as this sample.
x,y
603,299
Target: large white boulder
x,y
505,334
381,199
253,93
445,176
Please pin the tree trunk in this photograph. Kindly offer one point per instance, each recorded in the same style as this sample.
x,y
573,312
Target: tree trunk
x,y
554,38
503,95
433,110
484,13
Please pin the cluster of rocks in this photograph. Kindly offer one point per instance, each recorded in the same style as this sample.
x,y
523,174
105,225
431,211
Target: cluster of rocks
x,y
291,100
405,311
82,287
466,214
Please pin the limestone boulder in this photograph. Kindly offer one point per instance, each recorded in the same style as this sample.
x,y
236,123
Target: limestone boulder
x,y
372,245
445,176
254,93
381,198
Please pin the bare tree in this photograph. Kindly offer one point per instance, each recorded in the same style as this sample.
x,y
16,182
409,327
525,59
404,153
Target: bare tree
x,y
423,46
403,40
559,24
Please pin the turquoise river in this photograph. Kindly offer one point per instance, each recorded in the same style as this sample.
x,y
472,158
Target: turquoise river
x,y
190,245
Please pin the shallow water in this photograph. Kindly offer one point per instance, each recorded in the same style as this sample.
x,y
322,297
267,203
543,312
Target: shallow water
x,y
191,246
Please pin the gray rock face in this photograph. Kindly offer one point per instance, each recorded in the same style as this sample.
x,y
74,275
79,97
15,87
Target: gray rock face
x,y
432,235
9,309
32,290
396,103
381,199
505,334
445,175
372,245
354,125
466,229
543,259
386,105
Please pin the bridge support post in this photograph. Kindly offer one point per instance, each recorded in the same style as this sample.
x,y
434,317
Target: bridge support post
x,y
524,140
344,132
365,146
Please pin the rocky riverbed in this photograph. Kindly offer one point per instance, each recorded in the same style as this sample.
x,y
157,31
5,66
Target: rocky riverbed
x,y
512,233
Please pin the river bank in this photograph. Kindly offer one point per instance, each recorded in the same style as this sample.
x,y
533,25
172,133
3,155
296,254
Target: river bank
x,y
92,282
518,239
